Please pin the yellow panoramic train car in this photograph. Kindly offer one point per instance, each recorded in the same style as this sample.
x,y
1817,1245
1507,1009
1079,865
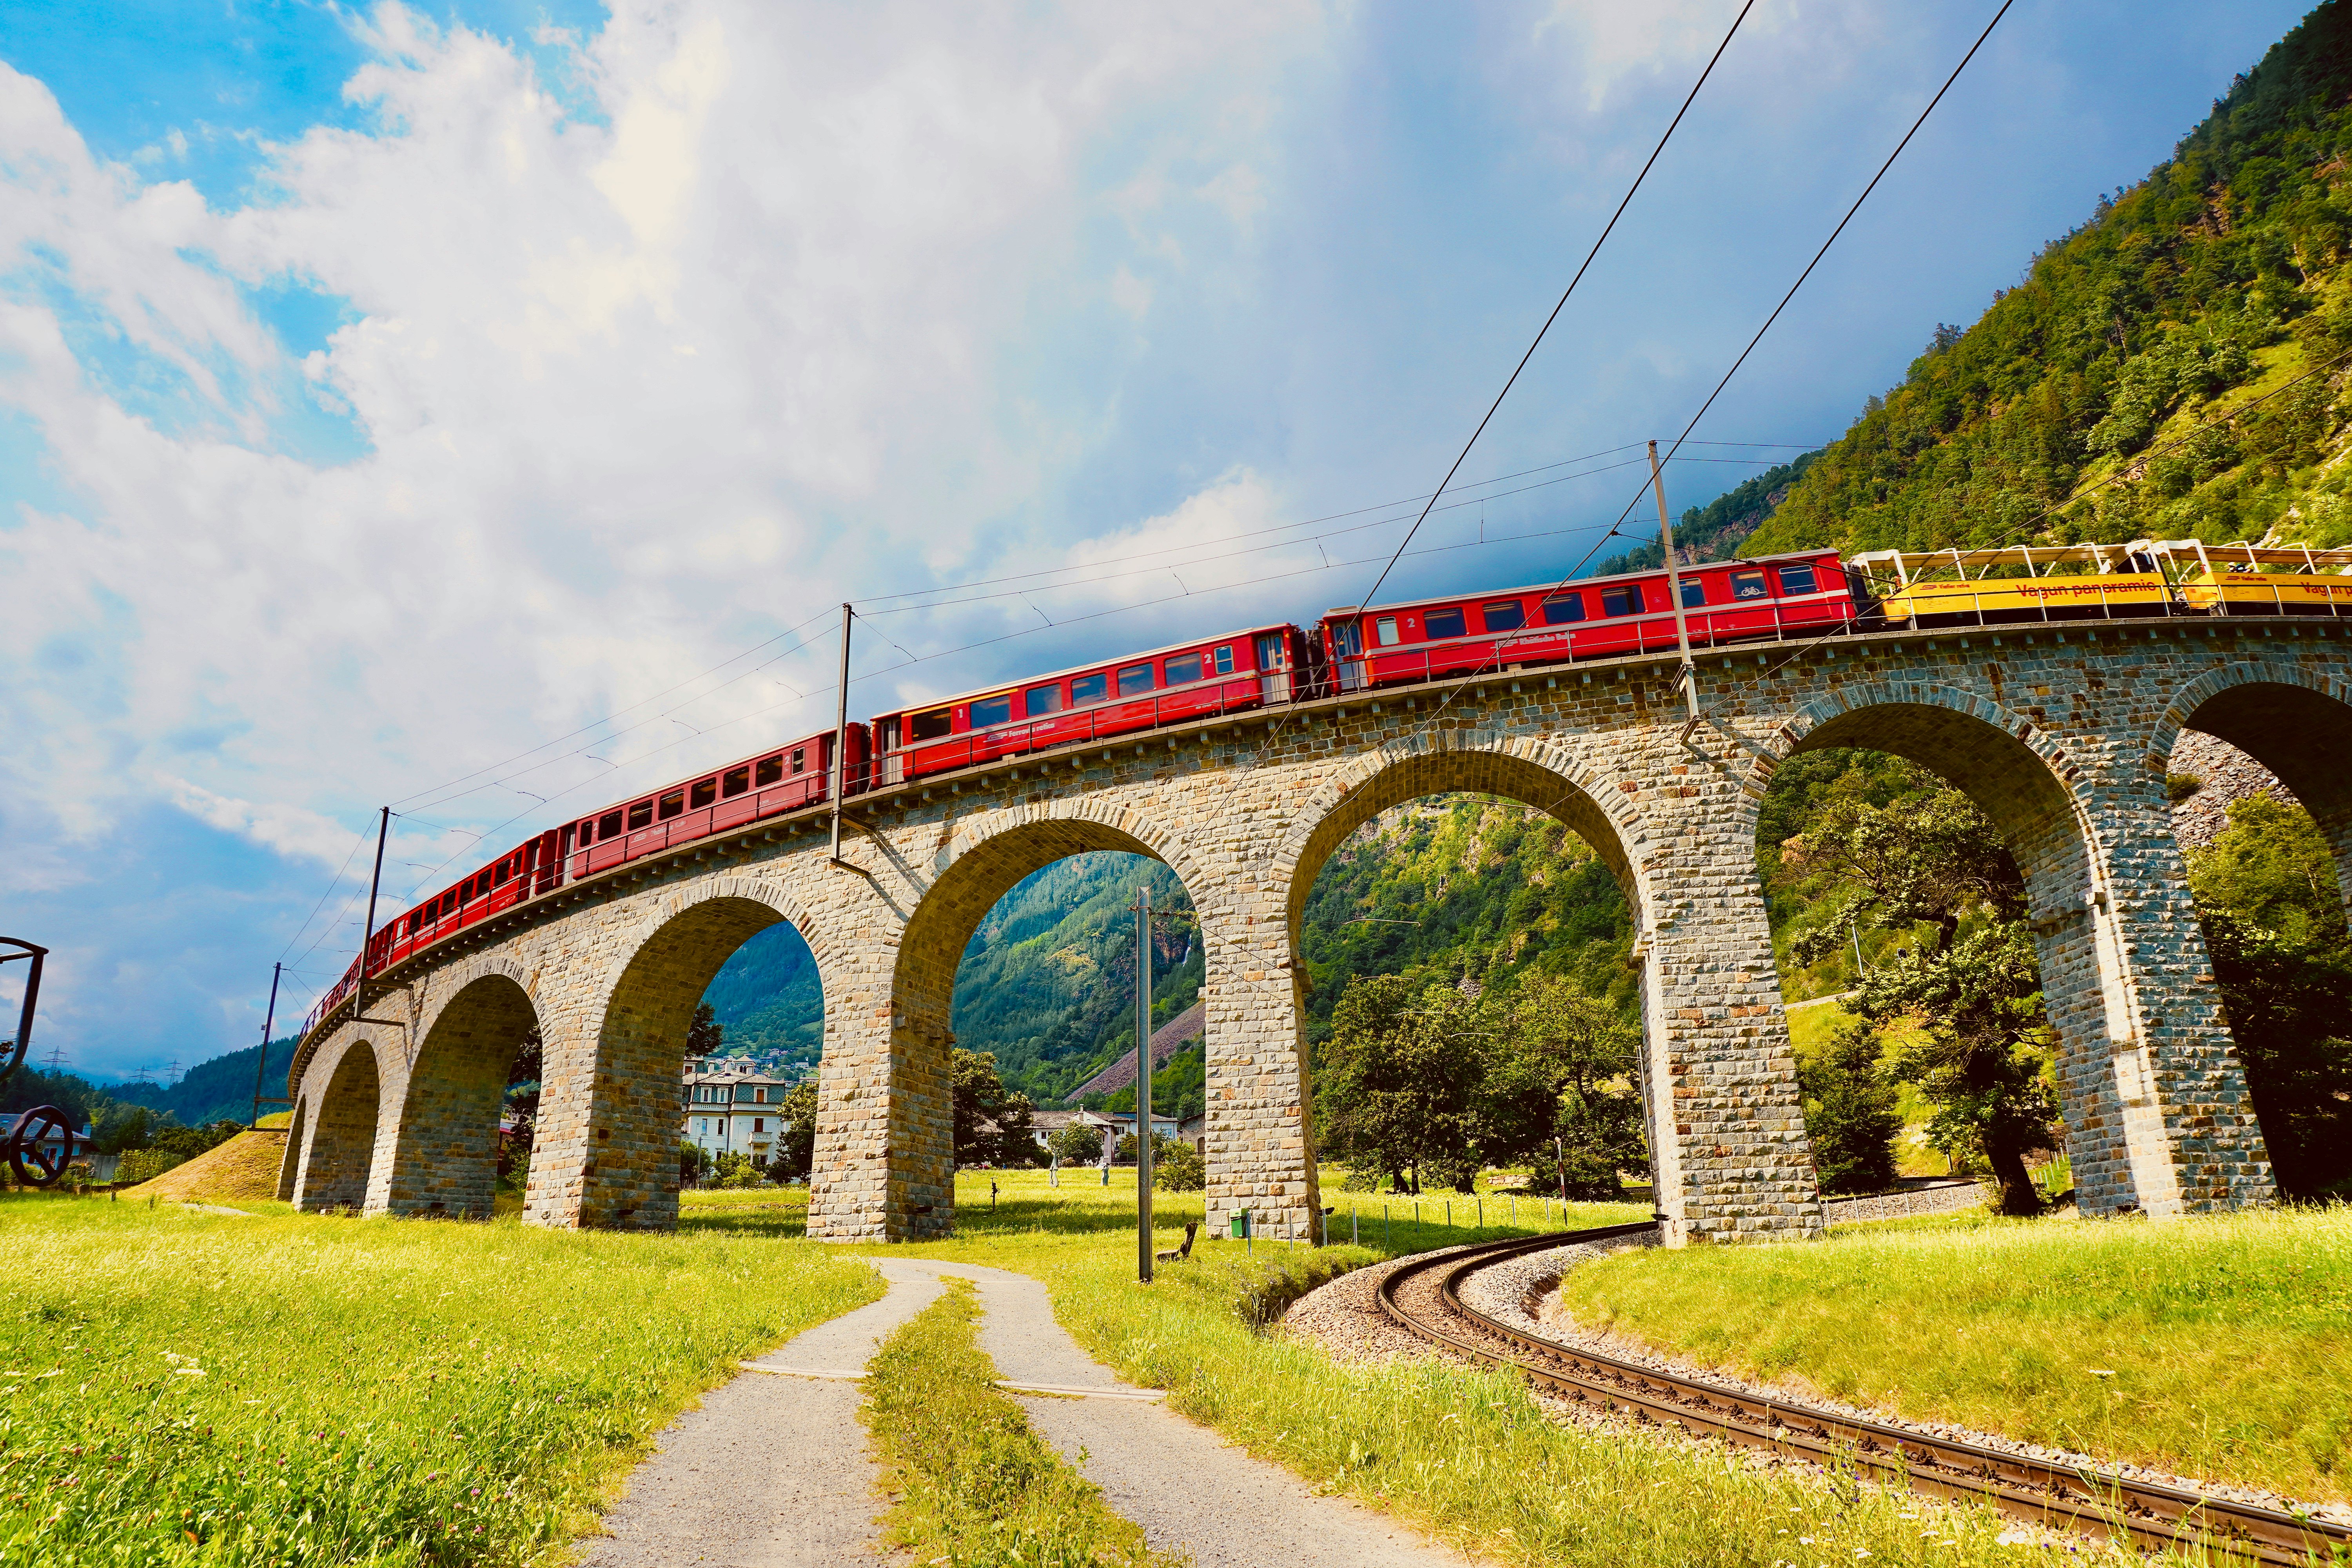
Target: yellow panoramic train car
x,y
2148,577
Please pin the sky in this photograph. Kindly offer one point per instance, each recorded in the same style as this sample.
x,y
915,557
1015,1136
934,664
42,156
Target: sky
x,y
484,408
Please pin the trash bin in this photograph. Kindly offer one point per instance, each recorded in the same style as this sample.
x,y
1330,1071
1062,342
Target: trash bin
x,y
1240,1224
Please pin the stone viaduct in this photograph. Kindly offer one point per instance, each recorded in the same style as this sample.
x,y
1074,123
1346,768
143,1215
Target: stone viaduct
x,y
2061,734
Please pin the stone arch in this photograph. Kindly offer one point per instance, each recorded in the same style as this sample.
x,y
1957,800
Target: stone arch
x,y
1534,772
2294,722
2102,883
607,1152
900,1151
289,1164
445,1149
339,1156
1549,778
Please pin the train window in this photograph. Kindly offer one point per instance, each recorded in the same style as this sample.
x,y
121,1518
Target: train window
x,y
928,726
610,823
1269,652
704,791
498,875
415,919
1747,584
990,710
1508,616
641,815
735,781
767,771
1348,637
1088,689
1384,632
1561,608
1134,678
1693,592
1044,699
1796,580
466,891
1184,669
1225,659
1619,600
1442,623
800,758
672,803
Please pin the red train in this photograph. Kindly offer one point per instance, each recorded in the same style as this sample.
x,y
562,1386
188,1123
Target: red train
x,y
1351,648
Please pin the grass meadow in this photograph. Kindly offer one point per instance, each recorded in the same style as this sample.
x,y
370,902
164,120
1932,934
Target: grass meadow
x,y
286,1389
186,1388
2219,1347
1464,1454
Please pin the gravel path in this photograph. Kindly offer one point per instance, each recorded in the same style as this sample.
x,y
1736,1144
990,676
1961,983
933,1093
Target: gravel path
x,y
769,1472
1188,1488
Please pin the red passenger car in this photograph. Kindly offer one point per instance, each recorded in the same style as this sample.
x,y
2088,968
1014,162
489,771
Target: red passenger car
x,y
1234,672
782,779
1395,644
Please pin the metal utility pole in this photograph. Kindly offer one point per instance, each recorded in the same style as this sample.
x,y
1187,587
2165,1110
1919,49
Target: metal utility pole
x,y
269,1020
841,736
367,933
1143,1083
13,1054
1674,592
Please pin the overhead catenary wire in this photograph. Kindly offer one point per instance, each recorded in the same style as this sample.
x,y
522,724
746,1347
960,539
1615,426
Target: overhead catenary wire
x,y
1606,231
1643,488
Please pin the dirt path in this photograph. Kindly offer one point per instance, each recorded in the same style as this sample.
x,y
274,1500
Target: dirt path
x,y
771,1472
1188,1488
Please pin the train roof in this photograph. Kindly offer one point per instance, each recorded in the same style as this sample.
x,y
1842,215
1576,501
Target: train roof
x,y
1577,581
1091,664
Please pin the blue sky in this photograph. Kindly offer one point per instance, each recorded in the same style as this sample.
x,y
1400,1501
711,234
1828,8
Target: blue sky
x,y
386,392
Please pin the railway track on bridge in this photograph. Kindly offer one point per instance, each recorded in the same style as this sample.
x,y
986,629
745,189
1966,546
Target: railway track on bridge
x,y
2145,1514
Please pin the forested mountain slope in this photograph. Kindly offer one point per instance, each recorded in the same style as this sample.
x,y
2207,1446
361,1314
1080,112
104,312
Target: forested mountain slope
x,y
2176,366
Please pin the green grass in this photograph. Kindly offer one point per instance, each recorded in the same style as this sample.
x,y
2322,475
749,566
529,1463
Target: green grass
x,y
2218,1347
291,1389
974,1485
1463,1454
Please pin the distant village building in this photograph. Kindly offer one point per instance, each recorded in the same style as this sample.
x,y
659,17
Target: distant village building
x,y
729,1106
1112,1125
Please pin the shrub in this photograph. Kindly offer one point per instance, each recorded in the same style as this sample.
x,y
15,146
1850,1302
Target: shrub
x,y
1076,1144
146,1165
1178,1168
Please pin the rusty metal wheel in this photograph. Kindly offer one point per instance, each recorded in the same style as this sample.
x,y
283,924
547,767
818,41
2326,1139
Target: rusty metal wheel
x,y
34,1165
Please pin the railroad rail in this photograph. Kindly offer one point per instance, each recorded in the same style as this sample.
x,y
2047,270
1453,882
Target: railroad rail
x,y
2142,1513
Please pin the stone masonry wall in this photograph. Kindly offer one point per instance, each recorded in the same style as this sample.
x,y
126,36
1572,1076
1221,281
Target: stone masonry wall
x,y
2063,737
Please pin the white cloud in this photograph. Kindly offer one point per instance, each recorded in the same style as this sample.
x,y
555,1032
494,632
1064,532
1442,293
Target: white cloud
x,y
288,830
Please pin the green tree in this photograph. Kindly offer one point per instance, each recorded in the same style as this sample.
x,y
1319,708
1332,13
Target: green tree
x,y
992,1125
693,1164
1927,862
796,1150
706,1037
1076,1144
1400,1093
1980,1049
1557,1091
1177,1167
1850,1115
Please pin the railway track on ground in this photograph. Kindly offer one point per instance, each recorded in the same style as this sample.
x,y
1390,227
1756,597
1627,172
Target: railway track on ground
x,y
2145,1514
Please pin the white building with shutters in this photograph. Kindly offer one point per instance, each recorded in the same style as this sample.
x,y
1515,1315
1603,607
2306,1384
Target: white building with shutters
x,y
731,1106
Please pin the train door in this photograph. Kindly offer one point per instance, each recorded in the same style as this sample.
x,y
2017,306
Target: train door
x,y
1274,667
